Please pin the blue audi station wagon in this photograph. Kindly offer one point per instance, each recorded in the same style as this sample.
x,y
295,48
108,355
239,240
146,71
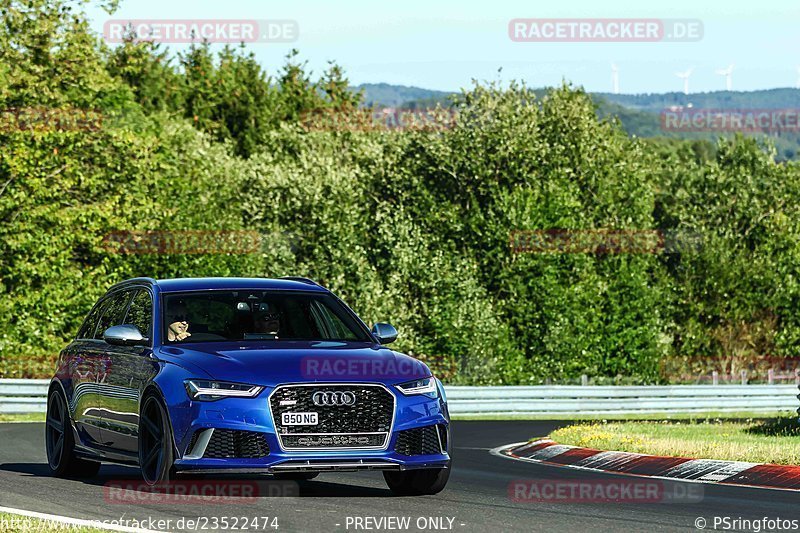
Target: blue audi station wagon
x,y
250,376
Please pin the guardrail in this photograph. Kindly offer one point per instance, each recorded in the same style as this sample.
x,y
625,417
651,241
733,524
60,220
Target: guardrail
x,y
600,400
23,395
29,396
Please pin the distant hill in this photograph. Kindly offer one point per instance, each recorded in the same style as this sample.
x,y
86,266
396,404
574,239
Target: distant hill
x,y
639,114
766,99
386,95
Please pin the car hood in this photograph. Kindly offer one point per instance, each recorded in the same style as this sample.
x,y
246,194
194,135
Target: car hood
x,y
274,362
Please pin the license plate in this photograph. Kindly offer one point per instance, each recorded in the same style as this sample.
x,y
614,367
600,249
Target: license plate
x,y
299,419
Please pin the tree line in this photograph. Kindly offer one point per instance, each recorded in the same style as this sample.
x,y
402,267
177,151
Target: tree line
x,y
413,227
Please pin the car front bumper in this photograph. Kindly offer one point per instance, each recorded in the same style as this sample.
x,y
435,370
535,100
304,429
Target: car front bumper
x,y
253,415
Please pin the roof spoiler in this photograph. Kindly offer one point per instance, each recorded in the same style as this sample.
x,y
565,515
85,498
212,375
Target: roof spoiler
x,y
301,279
141,280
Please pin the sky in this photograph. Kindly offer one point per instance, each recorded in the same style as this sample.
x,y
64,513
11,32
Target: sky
x,y
444,44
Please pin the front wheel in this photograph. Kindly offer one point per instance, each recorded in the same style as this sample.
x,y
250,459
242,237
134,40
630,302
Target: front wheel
x,y
60,442
417,482
155,443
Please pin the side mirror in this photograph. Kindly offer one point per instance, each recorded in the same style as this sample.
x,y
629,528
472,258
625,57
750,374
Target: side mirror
x,y
124,335
384,332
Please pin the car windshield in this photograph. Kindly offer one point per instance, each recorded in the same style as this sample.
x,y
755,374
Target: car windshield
x,y
244,315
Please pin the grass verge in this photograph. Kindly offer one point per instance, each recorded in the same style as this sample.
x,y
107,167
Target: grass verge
x,y
14,523
774,440
22,417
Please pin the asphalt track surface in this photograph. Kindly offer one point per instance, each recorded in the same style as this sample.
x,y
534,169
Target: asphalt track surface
x,y
477,497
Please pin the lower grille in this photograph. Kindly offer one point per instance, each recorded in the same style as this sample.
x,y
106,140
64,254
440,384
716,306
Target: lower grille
x,y
229,443
420,441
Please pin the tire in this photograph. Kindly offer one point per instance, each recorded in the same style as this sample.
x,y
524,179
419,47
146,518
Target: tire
x,y
60,441
297,476
417,482
156,455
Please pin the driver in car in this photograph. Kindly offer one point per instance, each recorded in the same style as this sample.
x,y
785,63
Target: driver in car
x,y
178,328
267,320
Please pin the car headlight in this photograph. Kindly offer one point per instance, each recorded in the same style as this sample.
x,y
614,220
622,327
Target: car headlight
x,y
426,386
204,390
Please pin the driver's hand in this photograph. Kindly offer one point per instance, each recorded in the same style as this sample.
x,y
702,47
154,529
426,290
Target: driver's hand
x,y
178,331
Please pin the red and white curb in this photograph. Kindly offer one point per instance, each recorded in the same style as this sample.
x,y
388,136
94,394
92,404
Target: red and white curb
x,y
759,475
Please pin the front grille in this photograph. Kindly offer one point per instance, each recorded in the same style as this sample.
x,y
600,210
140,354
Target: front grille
x,y
420,441
228,443
366,423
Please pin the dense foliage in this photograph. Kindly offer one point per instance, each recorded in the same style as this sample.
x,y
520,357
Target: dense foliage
x,y
411,227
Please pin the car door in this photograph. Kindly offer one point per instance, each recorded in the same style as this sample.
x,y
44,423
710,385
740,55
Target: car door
x,y
130,368
99,356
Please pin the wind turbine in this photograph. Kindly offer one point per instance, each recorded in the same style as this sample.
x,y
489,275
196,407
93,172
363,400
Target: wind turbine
x,y
728,73
614,78
685,77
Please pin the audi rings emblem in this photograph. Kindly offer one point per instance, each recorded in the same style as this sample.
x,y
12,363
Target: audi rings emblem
x,y
331,398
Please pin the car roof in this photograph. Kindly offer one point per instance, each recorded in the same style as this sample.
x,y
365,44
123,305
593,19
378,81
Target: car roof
x,y
197,284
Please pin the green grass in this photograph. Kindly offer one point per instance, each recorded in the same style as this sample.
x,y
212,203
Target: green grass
x,y
14,523
774,440
22,417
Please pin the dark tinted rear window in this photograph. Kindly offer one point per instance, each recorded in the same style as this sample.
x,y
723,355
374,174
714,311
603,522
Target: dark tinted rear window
x,y
90,322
